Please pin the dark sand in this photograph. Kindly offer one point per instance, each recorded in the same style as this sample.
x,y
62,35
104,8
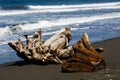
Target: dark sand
x,y
19,70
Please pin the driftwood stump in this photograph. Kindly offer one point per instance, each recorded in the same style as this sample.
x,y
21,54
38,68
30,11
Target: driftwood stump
x,y
85,58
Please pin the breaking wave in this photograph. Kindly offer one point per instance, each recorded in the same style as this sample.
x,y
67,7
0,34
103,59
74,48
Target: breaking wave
x,y
58,22
5,31
59,8
67,21
100,5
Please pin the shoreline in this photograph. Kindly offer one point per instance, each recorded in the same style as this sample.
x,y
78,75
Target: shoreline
x,y
19,70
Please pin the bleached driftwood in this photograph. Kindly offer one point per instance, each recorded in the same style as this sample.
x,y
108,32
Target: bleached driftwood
x,y
37,50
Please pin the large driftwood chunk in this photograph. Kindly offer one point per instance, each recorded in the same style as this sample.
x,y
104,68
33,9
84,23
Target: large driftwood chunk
x,y
85,58
37,50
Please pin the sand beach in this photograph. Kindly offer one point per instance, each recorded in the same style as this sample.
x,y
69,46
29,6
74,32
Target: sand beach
x,y
20,70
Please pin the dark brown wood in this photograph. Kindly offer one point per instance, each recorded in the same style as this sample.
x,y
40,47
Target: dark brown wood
x,y
85,58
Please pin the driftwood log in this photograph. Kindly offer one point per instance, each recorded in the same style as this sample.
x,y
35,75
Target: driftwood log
x,y
37,50
82,56
85,58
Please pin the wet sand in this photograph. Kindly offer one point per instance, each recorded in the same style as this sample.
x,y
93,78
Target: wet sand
x,y
20,70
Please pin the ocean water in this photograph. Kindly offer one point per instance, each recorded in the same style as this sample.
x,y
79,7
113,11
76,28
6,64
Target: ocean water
x,y
99,18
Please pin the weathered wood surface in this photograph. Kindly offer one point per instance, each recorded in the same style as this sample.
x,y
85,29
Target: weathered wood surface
x,y
82,56
85,58
37,50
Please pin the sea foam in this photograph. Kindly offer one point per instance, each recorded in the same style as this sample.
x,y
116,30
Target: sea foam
x,y
61,8
67,21
44,24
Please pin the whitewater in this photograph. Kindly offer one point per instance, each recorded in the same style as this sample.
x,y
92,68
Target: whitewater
x,y
62,8
100,20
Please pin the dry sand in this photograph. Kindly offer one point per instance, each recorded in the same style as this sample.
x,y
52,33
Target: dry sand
x,y
19,70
